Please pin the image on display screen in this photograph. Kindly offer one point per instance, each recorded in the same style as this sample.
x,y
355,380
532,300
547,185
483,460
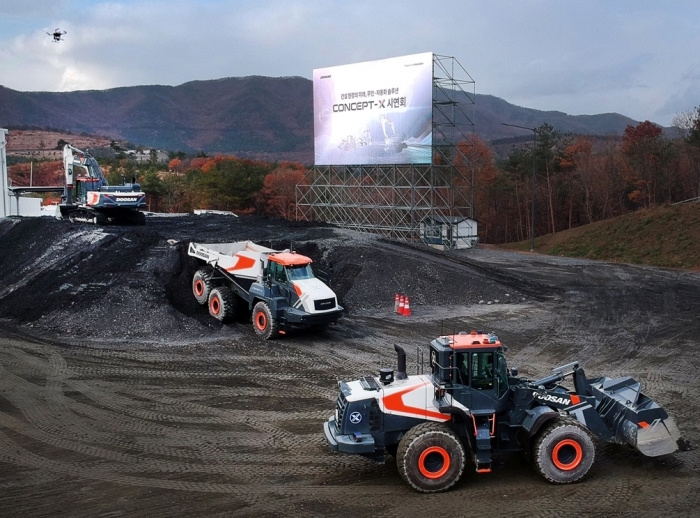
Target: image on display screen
x,y
378,112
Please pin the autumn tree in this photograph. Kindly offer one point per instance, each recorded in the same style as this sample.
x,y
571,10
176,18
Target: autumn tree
x,y
548,155
647,155
175,165
153,186
476,164
513,183
694,128
279,190
174,196
689,156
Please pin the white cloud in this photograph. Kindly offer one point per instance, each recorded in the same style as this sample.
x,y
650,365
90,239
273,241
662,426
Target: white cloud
x,y
630,57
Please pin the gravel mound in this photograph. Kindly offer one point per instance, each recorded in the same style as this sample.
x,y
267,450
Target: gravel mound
x,y
119,283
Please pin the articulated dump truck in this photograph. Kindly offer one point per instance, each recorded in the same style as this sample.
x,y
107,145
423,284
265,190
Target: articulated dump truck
x,y
279,287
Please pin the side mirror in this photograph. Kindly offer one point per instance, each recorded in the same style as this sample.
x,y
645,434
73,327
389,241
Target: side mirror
x,y
514,372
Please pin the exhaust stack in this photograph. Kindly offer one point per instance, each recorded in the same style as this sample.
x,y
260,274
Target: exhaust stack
x,y
401,368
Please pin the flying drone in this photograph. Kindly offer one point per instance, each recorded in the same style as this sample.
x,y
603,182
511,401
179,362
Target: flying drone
x,y
57,35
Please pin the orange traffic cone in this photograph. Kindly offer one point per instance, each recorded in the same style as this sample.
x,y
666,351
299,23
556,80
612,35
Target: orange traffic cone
x,y
402,303
406,309
396,303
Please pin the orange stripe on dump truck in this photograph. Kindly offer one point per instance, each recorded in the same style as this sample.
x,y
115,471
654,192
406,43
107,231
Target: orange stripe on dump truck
x,y
242,263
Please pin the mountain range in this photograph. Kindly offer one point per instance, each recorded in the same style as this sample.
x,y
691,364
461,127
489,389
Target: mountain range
x,y
256,117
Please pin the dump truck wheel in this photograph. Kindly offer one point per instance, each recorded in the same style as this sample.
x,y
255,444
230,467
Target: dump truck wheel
x,y
563,452
202,285
265,326
222,304
430,458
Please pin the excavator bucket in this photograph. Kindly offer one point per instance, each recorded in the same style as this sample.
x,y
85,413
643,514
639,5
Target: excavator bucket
x,y
633,418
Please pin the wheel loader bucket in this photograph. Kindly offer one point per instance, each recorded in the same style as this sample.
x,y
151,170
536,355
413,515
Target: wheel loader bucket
x,y
634,418
658,438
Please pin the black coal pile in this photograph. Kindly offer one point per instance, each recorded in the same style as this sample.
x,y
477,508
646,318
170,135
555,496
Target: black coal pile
x,y
69,280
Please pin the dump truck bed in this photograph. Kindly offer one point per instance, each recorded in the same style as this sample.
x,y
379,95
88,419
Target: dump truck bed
x,y
242,259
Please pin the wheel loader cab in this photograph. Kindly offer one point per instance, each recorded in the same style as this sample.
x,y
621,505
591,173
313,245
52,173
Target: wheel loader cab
x,y
473,365
483,371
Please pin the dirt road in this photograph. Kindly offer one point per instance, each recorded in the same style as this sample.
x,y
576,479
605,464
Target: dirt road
x,y
204,420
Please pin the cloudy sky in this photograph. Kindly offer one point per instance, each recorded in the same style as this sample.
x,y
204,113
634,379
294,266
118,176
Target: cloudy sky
x,y
637,57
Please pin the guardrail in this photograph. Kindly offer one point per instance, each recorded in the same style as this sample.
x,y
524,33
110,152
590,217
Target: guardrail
x,y
691,200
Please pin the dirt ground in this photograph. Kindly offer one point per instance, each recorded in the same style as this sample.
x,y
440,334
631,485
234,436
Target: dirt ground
x,y
120,396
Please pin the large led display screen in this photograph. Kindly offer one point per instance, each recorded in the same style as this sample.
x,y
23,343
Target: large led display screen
x,y
377,112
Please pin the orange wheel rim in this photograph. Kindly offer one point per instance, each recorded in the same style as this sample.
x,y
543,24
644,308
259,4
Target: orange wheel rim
x,y
434,462
215,305
261,320
199,287
567,455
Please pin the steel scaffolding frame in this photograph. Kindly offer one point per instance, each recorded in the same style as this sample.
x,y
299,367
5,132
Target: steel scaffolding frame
x,y
394,200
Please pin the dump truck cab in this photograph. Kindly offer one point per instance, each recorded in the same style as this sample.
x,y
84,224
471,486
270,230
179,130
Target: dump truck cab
x,y
293,293
293,276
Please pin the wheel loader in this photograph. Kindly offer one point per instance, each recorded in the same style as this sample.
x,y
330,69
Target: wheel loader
x,y
470,406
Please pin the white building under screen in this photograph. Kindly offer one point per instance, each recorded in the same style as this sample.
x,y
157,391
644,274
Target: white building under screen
x,y
377,112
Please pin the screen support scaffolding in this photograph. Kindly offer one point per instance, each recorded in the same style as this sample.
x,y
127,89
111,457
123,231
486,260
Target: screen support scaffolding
x,y
402,201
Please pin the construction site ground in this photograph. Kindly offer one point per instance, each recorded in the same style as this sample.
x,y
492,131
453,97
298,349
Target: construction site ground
x,y
121,396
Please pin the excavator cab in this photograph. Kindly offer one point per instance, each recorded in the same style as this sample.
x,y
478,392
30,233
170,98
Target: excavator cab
x,y
83,185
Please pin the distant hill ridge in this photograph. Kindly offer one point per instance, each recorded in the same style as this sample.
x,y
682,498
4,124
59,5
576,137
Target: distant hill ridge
x,y
253,116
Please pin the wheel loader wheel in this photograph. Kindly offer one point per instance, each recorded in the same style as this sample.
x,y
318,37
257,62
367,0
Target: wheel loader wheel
x,y
202,285
430,458
222,304
563,452
265,326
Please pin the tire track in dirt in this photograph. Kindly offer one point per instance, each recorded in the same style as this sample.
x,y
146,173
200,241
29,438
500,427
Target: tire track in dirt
x,y
234,423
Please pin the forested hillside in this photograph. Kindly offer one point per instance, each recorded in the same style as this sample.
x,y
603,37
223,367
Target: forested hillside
x,y
578,180
268,118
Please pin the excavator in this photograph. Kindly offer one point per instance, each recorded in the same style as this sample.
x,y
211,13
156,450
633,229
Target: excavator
x,y
89,198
